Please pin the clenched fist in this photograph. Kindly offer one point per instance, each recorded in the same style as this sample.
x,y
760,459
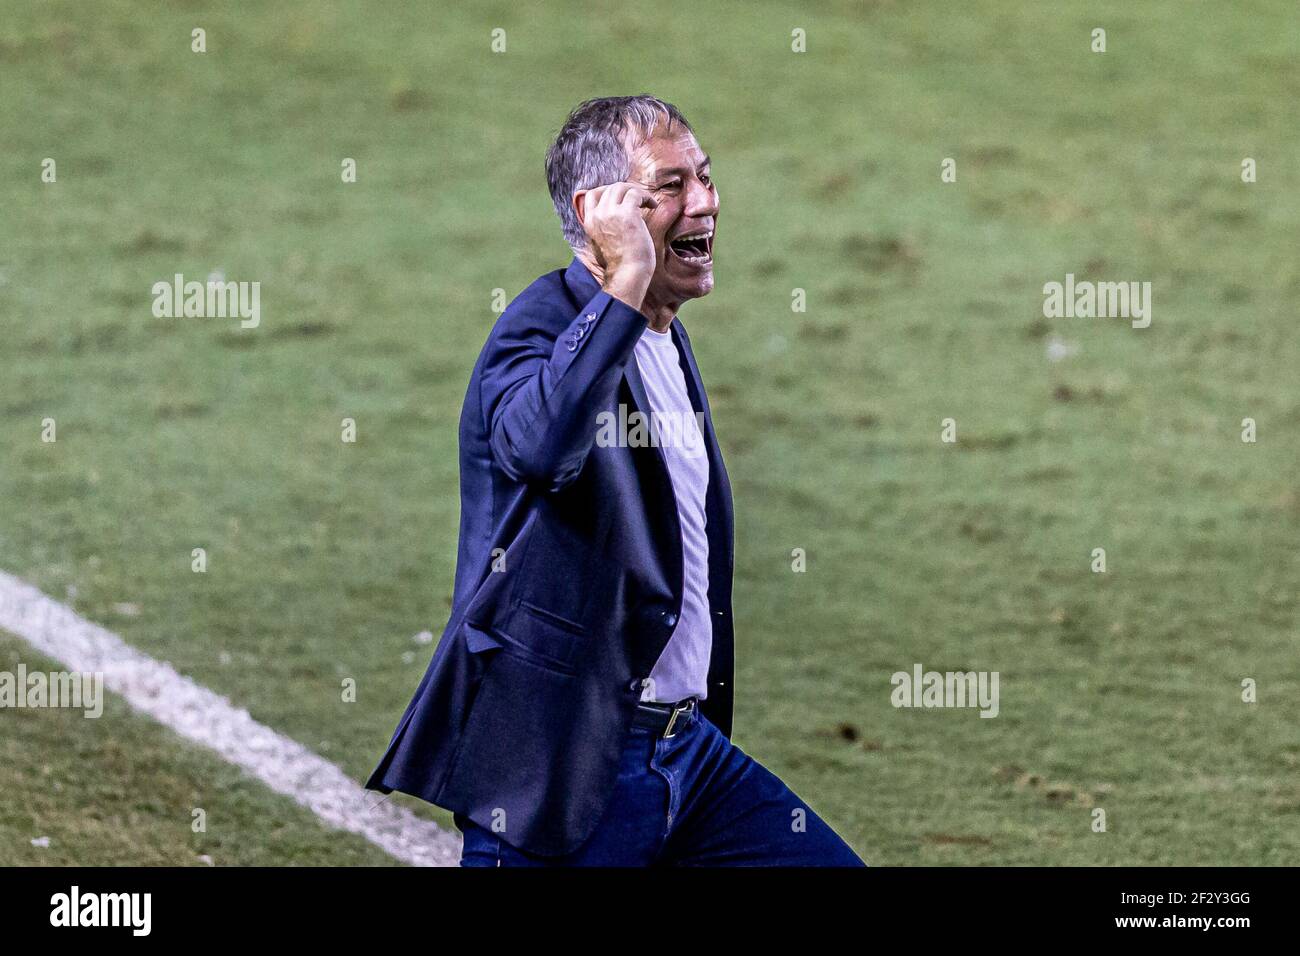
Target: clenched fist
x,y
615,225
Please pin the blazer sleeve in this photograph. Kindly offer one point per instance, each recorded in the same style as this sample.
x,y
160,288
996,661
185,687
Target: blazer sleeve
x,y
540,395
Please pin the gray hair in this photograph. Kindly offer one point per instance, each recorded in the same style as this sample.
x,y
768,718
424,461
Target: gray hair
x,y
592,149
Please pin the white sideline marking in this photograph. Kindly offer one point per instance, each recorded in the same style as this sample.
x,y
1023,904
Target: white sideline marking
x,y
207,718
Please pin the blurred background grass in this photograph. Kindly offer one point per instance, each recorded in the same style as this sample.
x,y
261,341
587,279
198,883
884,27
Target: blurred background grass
x,y
1119,690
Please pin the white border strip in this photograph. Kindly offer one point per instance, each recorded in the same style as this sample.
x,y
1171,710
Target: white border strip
x,y
209,719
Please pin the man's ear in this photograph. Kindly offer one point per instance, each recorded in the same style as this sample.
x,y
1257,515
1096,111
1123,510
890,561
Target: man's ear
x,y
579,205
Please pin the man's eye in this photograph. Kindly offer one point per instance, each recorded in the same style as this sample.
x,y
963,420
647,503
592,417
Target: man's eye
x,y
706,179
673,184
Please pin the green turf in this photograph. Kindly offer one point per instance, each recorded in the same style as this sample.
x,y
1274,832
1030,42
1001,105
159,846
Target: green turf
x,y
120,789
924,302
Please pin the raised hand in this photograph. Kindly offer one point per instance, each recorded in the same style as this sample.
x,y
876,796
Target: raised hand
x,y
613,218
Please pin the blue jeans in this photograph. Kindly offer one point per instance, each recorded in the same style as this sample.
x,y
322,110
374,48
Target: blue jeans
x,y
693,799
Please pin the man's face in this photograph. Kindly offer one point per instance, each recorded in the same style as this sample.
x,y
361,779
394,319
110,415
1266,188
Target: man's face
x,y
675,170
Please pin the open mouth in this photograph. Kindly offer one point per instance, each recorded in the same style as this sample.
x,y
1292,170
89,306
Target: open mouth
x,y
695,249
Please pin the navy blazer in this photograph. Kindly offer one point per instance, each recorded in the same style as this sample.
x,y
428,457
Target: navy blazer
x,y
568,576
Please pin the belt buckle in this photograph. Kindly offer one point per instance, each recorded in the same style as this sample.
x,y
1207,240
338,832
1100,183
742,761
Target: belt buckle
x,y
677,711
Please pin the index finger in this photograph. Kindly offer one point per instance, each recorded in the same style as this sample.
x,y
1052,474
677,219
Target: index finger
x,y
643,197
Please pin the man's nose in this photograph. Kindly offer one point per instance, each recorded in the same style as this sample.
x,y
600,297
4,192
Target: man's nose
x,y
701,200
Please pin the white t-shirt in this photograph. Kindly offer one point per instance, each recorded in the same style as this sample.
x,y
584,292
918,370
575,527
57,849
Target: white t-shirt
x,y
683,668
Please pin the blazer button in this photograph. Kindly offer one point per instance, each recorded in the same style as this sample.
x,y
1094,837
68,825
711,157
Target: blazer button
x,y
572,345
670,619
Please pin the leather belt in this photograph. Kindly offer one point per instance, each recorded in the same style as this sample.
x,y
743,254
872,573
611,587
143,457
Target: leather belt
x,y
664,719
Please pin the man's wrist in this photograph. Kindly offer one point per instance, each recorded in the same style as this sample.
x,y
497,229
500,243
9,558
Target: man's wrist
x,y
629,287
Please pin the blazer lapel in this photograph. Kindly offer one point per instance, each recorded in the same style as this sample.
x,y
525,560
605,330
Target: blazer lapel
x,y
635,385
718,482
582,286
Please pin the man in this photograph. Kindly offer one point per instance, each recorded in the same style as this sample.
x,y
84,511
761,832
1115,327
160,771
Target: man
x,y
577,710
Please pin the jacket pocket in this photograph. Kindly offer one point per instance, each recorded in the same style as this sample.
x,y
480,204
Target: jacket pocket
x,y
550,617
547,635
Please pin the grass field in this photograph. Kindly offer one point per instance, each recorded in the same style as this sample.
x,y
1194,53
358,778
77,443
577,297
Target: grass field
x,y
1119,690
